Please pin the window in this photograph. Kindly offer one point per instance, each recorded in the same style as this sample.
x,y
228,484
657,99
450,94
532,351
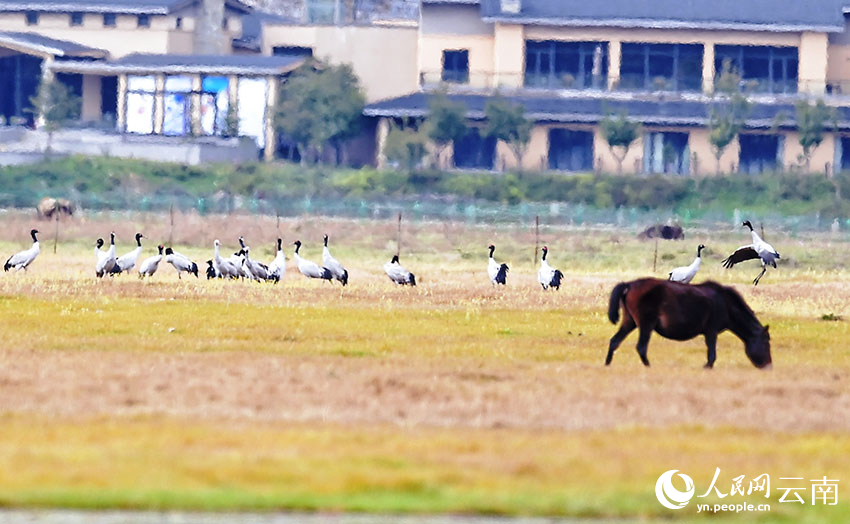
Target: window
x,y
666,152
571,65
179,22
843,154
76,19
475,151
109,20
764,69
456,66
760,153
292,50
661,67
143,21
32,18
570,150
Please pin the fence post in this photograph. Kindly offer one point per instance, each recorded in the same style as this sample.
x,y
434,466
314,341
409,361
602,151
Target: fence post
x,y
398,239
655,258
536,237
56,234
171,231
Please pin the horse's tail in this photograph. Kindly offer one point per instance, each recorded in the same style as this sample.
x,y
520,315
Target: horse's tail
x,y
617,296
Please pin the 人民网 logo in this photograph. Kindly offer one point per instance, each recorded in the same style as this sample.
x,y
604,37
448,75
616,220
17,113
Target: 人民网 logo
x,y
670,497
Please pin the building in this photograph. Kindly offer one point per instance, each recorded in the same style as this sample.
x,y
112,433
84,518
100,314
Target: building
x,y
147,67
568,62
213,67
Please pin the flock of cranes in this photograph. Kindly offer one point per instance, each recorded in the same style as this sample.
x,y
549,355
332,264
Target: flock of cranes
x,y
240,265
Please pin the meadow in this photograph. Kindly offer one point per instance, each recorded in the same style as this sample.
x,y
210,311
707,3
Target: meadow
x,y
450,397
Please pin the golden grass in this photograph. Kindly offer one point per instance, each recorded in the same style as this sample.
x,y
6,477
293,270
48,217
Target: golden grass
x,y
449,397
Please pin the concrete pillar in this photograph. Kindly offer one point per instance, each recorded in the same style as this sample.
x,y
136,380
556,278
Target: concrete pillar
x,y
270,131
91,109
813,55
509,54
381,141
233,100
121,117
46,77
158,104
614,61
195,125
708,70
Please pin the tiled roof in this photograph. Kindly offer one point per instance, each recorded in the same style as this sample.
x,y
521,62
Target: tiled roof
x,y
44,45
151,7
591,109
188,64
758,15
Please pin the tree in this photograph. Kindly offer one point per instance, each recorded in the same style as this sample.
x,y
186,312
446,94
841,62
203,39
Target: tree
x,y
811,124
56,105
320,105
507,122
620,133
727,117
406,146
446,122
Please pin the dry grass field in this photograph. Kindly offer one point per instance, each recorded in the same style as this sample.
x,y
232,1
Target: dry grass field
x,y
451,396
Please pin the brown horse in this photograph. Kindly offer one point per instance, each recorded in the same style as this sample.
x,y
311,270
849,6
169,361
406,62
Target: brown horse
x,y
682,312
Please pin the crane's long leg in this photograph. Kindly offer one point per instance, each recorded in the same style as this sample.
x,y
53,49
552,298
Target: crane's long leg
x,y
758,278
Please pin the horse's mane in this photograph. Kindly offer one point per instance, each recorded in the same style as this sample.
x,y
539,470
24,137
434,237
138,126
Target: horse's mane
x,y
734,300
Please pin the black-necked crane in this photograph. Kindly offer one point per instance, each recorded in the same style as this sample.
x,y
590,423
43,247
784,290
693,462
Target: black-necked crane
x,y
149,265
398,274
22,259
277,269
309,268
758,249
336,269
225,267
548,276
685,274
181,263
125,263
105,259
498,272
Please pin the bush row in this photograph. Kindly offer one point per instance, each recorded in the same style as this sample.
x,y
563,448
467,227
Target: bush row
x,y
84,177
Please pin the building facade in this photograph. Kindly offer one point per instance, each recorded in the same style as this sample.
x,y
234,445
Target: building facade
x,y
570,62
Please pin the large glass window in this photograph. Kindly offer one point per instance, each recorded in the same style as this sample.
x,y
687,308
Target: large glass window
x,y
474,151
764,69
456,66
760,153
666,152
570,150
661,67
571,65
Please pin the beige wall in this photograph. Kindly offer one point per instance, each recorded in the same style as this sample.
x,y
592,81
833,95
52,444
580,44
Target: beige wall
x,y
838,66
480,48
126,37
706,163
821,156
509,54
814,53
384,58
91,111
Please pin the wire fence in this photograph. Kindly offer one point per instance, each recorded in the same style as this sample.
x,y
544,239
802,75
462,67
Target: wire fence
x,y
435,208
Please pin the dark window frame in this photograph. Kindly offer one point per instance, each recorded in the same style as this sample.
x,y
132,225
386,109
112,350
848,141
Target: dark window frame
x,y
455,66
76,19
548,62
752,162
110,20
31,17
575,148
143,21
745,58
641,72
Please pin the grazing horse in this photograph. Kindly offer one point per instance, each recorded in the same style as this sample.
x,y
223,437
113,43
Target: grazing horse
x,y
681,312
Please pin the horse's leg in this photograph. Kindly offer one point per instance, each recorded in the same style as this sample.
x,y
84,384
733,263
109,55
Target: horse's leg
x,y
645,329
711,344
626,327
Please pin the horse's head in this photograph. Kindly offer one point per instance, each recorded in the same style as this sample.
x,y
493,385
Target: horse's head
x,y
758,348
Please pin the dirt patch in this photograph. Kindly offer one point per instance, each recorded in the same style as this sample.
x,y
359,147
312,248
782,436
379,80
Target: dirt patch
x,y
455,392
